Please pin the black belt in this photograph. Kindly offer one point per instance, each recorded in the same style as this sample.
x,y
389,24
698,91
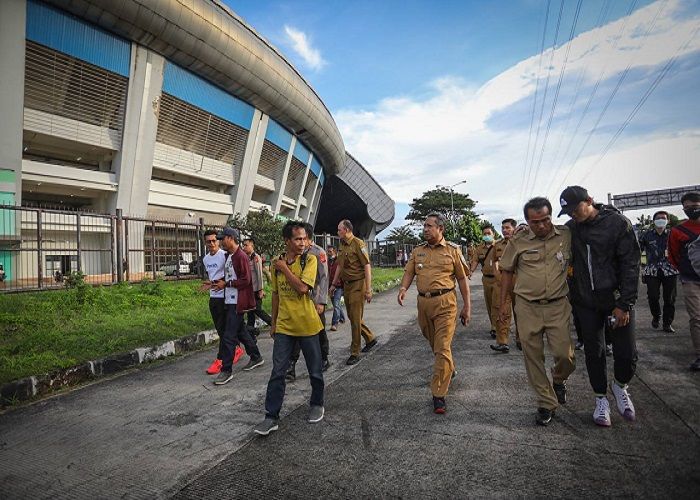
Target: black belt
x,y
544,301
488,275
436,293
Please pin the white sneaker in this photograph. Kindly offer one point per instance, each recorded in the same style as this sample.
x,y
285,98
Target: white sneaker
x,y
624,402
601,414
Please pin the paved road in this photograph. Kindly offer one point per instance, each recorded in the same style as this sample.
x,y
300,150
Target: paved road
x,y
164,431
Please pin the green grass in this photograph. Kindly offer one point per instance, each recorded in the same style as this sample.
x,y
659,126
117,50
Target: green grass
x,y
44,331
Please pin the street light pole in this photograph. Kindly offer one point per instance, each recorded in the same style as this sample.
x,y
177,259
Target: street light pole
x,y
452,202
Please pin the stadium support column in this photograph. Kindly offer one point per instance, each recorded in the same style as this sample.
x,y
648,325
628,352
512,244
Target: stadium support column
x,y
133,164
303,185
281,181
306,212
13,22
243,190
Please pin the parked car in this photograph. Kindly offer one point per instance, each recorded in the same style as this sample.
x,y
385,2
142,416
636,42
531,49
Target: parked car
x,y
175,268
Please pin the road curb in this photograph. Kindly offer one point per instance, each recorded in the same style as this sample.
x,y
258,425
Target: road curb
x,y
40,385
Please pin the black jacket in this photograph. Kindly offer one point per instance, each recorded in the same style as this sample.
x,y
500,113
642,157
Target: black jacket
x,y
605,258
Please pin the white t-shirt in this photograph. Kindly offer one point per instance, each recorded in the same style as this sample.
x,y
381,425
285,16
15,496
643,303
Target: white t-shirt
x,y
214,265
231,294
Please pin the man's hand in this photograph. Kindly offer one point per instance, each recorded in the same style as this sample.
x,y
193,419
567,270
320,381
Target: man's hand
x,y
273,328
368,296
465,315
402,295
280,265
261,294
320,308
205,286
622,318
331,290
219,285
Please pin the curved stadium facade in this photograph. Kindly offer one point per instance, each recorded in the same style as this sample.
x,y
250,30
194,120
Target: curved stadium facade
x,y
167,109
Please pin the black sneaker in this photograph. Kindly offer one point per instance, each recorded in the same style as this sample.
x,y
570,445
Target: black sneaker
x,y
369,345
608,350
223,378
655,323
669,329
560,391
326,365
493,334
695,366
439,405
291,372
253,363
454,374
544,416
502,348
266,426
352,360
519,345
579,345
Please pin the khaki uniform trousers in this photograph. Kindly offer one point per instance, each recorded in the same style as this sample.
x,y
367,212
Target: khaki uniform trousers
x,y
534,322
515,317
491,296
503,330
354,292
437,320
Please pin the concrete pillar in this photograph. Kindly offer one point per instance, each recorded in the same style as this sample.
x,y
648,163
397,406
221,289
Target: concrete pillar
x,y
303,185
281,181
314,211
13,23
243,190
133,164
306,212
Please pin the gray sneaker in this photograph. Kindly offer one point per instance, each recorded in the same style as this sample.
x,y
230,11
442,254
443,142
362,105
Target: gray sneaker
x,y
253,363
223,378
315,414
266,426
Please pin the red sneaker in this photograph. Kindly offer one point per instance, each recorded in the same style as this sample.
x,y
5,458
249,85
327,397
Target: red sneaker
x,y
237,354
215,367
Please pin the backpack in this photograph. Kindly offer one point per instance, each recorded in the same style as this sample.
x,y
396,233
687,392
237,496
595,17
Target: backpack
x,y
690,252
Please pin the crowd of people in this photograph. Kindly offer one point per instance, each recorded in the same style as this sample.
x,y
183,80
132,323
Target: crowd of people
x,y
544,277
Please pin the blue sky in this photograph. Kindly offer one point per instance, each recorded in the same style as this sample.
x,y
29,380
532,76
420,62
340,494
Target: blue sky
x,y
429,93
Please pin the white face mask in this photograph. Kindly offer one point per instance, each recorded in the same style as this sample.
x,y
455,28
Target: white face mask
x,y
660,223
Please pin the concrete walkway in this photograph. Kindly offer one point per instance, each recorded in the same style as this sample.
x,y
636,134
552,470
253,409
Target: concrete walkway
x,y
165,430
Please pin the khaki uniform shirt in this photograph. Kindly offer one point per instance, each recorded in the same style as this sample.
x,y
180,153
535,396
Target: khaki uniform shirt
x,y
352,258
541,264
486,256
435,267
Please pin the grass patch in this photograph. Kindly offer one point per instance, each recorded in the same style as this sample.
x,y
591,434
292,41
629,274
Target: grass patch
x,y
44,331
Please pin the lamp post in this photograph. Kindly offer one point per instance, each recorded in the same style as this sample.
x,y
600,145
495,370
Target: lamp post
x,y
452,202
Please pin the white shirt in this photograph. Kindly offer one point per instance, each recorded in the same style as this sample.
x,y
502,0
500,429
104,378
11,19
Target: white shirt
x,y
231,293
214,265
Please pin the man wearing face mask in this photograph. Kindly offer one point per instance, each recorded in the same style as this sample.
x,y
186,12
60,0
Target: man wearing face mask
x,y
684,254
659,273
605,258
485,255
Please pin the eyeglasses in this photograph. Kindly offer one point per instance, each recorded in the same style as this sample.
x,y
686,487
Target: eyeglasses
x,y
540,222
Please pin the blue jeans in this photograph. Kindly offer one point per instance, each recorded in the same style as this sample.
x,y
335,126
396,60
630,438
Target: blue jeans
x,y
236,333
281,354
338,314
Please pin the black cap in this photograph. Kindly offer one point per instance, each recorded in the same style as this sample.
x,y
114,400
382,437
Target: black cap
x,y
570,198
229,231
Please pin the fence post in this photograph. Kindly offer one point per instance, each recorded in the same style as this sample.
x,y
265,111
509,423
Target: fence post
x,y
153,248
80,256
200,246
112,233
120,248
40,256
177,251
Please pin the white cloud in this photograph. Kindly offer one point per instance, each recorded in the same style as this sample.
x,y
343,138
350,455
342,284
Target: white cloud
x,y
301,44
411,145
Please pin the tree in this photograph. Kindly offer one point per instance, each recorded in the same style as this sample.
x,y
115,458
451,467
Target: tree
x,y
405,235
463,224
264,227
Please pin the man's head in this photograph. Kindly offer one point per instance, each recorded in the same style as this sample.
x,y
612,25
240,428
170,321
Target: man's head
x,y
577,204
230,238
331,252
660,219
508,227
691,205
309,233
248,246
344,229
538,214
434,228
294,234
488,235
210,241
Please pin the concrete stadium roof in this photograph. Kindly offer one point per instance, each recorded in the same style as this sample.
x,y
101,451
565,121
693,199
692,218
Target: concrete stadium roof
x,y
207,38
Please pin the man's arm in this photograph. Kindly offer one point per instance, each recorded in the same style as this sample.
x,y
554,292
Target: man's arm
x,y
506,285
627,255
296,283
466,314
242,268
368,283
674,247
406,281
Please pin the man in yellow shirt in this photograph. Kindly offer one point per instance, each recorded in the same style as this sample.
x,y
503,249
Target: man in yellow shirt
x,y
294,320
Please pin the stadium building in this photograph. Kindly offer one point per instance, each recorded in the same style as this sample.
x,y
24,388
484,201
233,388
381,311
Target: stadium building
x,y
167,109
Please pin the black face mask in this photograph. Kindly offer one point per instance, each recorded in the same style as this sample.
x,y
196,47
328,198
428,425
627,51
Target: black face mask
x,y
692,213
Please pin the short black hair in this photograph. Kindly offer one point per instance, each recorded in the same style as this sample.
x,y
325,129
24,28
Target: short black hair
x,y
438,217
209,232
512,222
249,238
488,226
289,227
693,196
347,224
309,230
660,212
537,203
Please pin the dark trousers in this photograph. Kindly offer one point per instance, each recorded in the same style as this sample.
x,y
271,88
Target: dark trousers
x,y
234,334
218,316
259,312
281,356
592,323
322,339
654,285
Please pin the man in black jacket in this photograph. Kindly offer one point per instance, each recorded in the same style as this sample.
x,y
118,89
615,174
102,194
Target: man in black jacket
x,y
606,258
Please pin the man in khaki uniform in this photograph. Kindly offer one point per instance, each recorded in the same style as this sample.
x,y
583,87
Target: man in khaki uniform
x,y
485,255
541,258
503,321
355,272
436,264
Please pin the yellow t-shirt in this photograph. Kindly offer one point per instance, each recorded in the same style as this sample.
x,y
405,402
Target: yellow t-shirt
x,y
297,314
